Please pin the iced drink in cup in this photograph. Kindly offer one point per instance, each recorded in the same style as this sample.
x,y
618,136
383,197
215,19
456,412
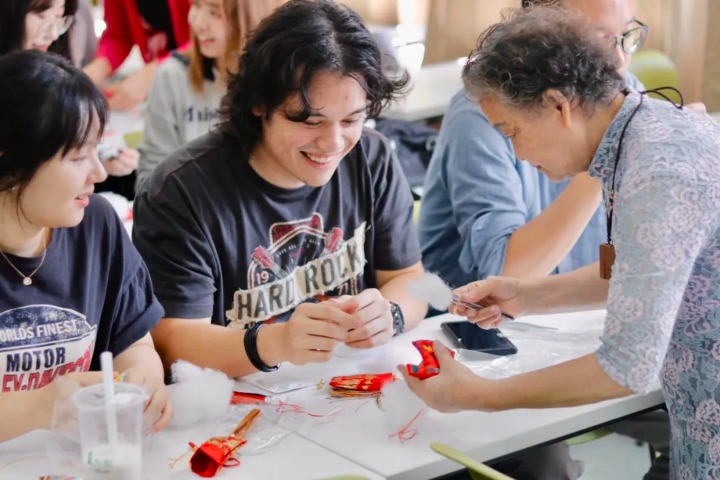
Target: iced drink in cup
x,y
111,432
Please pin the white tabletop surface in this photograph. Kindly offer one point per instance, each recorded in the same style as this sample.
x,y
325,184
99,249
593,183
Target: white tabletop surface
x,y
354,436
362,436
431,90
293,457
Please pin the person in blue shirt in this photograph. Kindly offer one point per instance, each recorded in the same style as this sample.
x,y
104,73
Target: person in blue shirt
x,y
484,212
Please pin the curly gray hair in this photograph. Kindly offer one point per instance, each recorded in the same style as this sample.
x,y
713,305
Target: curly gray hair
x,y
540,48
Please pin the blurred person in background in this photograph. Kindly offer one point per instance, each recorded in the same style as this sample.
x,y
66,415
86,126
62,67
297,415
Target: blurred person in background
x,y
188,87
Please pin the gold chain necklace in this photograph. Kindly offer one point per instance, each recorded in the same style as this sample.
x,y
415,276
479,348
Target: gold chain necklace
x,y
27,279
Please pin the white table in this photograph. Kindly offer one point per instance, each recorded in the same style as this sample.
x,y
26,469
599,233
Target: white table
x,y
357,439
432,88
363,437
294,457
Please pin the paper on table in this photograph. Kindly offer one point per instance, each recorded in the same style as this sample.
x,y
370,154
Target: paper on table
x,y
277,382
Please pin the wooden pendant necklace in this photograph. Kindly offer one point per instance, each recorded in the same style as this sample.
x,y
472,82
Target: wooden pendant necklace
x,y
607,250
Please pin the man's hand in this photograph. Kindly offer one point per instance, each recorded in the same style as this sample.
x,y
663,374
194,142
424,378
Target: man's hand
x,y
315,329
373,321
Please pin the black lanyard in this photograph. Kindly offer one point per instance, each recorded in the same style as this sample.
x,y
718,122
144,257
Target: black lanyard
x,y
607,250
611,193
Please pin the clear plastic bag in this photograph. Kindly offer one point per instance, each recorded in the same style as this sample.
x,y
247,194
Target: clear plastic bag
x,y
540,349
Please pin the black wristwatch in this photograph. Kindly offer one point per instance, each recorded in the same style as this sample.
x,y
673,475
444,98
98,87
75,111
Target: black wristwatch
x,y
398,319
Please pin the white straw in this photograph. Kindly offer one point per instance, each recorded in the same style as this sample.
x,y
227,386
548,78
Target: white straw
x,y
106,365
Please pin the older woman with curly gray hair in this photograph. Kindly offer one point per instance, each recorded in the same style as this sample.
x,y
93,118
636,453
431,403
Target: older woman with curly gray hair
x,y
549,84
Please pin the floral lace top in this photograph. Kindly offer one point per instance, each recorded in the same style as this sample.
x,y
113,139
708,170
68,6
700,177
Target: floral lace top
x,y
663,309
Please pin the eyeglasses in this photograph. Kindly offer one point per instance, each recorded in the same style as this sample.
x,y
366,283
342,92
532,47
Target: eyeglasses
x,y
632,40
55,26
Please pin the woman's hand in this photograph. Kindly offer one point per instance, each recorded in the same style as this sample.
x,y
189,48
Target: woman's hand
x,y
454,389
501,294
133,90
158,409
141,363
124,164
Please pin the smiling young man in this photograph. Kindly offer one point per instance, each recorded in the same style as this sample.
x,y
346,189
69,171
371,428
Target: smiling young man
x,y
289,230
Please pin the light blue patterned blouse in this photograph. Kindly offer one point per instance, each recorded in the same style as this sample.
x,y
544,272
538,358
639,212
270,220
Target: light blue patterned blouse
x,y
663,309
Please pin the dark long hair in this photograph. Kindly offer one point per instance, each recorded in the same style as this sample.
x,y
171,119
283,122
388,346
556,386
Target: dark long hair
x,y
157,14
47,106
286,51
12,24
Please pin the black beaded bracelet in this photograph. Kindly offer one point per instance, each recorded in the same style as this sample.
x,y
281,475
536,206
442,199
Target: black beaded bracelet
x,y
251,350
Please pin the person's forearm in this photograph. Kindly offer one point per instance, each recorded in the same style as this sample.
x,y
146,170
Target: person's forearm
x,y
23,412
396,290
577,382
140,354
211,346
581,289
536,248
98,70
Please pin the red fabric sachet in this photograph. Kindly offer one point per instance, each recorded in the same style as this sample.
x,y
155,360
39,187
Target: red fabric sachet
x,y
210,457
362,385
429,366
367,382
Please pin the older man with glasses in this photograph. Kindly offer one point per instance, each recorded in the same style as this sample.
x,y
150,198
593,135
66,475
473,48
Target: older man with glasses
x,y
484,212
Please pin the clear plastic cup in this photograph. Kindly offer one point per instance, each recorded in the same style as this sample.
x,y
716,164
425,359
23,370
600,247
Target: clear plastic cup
x,y
111,432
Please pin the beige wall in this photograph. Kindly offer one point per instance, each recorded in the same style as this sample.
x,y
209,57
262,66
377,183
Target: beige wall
x,y
679,28
687,30
377,12
391,12
455,25
711,76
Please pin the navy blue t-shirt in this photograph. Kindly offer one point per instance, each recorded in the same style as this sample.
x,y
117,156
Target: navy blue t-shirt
x,y
92,293
221,242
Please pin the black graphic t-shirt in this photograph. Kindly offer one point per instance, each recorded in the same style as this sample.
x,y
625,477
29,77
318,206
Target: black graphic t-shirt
x,y
92,293
221,242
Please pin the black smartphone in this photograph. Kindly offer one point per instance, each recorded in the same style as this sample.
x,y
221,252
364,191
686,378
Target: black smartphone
x,y
470,336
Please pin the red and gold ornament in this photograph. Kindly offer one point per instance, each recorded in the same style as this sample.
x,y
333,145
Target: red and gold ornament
x,y
366,384
429,366
210,457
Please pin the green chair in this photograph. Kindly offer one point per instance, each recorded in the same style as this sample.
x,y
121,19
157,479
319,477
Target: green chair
x,y
347,477
655,69
478,470
133,139
416,212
